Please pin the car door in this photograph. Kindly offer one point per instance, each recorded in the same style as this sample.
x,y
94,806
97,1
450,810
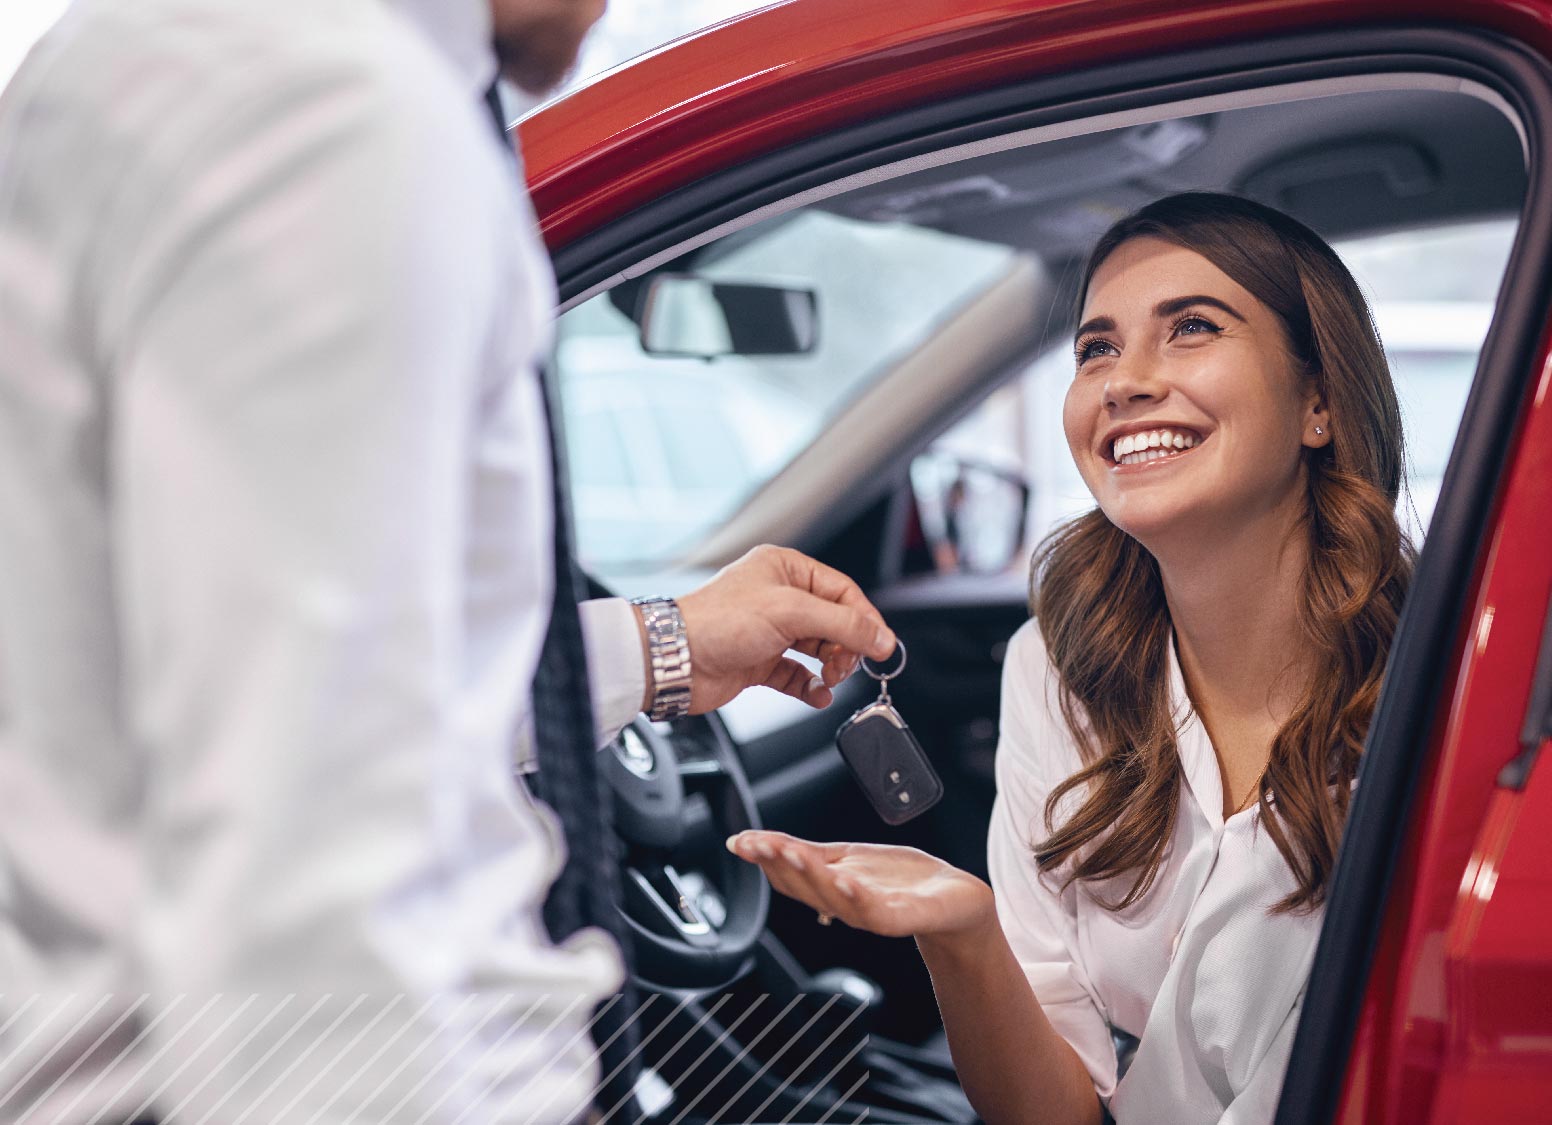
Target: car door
x,y
798,108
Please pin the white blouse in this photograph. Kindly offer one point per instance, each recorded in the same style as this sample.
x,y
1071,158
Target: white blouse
x,y
1198,971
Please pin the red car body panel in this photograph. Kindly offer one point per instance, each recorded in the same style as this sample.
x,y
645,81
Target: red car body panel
x,y
1457,1023
753,84
1457,1019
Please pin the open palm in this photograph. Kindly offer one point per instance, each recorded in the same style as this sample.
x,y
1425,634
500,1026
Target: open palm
x,y
885,889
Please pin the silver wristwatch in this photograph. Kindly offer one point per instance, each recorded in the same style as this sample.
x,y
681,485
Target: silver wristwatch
x,y
668,651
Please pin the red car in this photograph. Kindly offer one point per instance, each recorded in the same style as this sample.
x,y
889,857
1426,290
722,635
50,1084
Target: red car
x,y
853,228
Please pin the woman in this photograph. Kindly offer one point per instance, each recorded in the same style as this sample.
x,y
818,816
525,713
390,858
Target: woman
x,y
1182,718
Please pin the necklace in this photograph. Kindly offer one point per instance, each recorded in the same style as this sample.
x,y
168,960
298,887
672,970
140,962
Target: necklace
x,y
1254,785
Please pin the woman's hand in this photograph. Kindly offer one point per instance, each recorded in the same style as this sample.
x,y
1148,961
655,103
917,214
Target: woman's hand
x,y
885,889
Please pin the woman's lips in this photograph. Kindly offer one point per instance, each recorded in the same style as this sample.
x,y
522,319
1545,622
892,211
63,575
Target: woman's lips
x,y
1153,456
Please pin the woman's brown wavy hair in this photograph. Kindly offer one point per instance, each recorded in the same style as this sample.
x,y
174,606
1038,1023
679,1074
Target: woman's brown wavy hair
x,y
1100,601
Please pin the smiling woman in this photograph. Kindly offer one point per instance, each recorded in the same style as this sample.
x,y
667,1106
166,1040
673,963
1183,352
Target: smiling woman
x,y
1295,448
1181,722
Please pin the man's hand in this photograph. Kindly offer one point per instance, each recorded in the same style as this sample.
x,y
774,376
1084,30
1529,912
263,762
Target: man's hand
x,y
773,599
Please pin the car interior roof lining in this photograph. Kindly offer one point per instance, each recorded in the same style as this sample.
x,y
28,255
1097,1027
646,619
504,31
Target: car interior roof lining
x,y
1274,95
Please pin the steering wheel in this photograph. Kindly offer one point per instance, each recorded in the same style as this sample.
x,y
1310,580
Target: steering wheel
x,y
691,928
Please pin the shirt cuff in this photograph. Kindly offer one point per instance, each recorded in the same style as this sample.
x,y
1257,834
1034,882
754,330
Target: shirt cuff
x,y
616,672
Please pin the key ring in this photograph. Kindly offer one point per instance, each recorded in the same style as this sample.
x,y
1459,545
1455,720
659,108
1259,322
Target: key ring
x,y
883,678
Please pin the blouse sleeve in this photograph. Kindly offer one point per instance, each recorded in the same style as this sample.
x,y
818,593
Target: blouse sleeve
x,y
1035,752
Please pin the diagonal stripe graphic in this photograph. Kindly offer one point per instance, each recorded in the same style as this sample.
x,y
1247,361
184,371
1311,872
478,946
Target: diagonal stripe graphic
x,y
265,1057
302,1093
650,1036
425,1078
361,1034
585,1030
61,1045
234,1087
172,1114
815,1087
82,1057
383,1047
426,1041
815,1052
615,1108
727,1031
145,1067
618,1032
16,1015
20,1048
640,1047
752,1079
486,1053
787,1046
813,1055
846,1097
173,1077
121,1056
596,1055
351,1081
491,1085
281,1077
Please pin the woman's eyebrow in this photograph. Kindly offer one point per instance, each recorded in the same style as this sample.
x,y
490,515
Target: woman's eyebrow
x,y
1160,311
1094,324
1180,304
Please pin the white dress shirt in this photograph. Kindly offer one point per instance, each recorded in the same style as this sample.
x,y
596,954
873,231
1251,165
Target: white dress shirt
x,y
275,508
1197,970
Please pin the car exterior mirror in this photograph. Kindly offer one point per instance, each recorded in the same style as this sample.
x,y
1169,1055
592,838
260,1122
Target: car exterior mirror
x,y
974,515
686,315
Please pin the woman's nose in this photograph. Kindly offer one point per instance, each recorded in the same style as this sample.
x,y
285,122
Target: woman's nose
x,y
1132,379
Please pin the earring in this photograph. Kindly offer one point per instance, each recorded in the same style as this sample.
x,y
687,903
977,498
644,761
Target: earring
x,y
1319,432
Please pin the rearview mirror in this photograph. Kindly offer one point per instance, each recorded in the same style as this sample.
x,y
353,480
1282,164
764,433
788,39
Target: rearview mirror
x,y
684,315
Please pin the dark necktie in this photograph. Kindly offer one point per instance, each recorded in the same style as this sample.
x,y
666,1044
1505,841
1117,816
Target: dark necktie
x,y
569,779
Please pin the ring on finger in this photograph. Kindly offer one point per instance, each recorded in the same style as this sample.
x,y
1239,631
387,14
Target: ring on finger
x,y
825,919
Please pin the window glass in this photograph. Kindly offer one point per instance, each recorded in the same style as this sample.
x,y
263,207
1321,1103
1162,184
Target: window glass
x,y
1432,292
713,431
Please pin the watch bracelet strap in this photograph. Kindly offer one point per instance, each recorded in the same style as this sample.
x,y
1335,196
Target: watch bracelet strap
x,y
668,657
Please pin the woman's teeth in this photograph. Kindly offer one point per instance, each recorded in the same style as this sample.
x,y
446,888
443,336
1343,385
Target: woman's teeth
x,y
1134,449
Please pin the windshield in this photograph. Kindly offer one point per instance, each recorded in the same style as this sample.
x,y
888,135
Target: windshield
x,y
663,448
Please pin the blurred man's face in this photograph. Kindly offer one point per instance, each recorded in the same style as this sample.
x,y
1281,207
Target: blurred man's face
x,y
537,40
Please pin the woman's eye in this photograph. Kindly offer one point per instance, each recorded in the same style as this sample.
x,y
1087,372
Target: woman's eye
x,y
1086,350
1195,326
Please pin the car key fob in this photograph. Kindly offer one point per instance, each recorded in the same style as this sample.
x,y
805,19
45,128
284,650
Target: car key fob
x,y
885,758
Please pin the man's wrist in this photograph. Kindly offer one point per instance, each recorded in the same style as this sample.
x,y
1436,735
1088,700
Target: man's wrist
x,y
647,686
666,657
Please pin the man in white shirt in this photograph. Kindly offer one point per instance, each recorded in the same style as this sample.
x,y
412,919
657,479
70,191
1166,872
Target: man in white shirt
x,y
275,507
